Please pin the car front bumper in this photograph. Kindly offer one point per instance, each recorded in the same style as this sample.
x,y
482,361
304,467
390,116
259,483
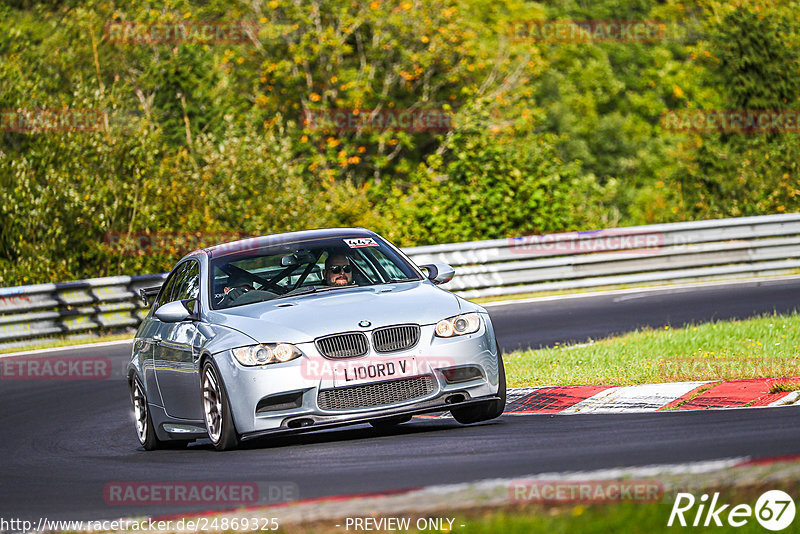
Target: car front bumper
x,y
291,391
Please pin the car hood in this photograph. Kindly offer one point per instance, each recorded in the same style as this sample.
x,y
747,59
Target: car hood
x,y
303,318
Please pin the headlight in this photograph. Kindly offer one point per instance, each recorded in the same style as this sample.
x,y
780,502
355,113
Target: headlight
x,y
266,353
458,325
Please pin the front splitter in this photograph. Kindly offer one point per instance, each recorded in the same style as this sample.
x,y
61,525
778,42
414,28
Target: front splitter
x,y
365,418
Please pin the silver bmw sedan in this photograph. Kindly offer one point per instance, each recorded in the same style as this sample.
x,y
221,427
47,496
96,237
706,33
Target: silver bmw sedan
x,y
302,331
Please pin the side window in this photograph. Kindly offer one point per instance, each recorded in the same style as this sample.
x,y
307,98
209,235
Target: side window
x,y
188,287
166,289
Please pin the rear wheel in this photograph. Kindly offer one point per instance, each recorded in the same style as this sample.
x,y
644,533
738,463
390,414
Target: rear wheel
x,y
488,410
217,410
144,423
389,422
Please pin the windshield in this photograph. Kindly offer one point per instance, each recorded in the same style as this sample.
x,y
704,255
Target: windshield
x,y
305,267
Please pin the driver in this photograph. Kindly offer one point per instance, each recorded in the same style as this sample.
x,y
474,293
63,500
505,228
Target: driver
x,y
338,271
236,286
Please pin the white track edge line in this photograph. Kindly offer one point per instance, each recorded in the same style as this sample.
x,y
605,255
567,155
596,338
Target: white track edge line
x,y
68,347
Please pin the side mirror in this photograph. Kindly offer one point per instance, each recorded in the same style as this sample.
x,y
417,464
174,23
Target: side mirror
x,y
174,312
439,273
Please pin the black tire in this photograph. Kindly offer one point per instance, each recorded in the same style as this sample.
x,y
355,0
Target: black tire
x,y
390,421
488,410
217,410
143,421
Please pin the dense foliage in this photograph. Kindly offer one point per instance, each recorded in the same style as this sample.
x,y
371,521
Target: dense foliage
x,y
199,142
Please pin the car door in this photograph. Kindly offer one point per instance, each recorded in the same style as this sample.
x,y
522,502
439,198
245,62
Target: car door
x,y
178,352
150,333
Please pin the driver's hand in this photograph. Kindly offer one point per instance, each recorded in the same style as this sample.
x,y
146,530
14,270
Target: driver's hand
x,y
236,292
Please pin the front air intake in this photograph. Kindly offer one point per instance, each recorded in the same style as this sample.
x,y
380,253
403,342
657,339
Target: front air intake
x,y
378,394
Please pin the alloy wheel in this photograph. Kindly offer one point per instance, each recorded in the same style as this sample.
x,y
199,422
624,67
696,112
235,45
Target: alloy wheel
x,y
212,405
140,410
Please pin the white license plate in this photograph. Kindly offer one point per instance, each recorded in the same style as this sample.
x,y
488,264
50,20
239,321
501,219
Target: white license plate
x,y
372,370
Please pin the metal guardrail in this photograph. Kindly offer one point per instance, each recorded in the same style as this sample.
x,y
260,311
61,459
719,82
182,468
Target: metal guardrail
x,y
73,307
701,250
691,251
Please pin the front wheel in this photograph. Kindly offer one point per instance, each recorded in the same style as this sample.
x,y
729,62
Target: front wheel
x,y
488,410
217,410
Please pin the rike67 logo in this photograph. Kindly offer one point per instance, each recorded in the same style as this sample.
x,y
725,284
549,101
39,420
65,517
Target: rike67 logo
x,y
774,510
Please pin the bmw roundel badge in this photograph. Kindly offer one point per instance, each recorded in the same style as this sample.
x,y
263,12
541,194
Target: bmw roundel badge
x,y
364,324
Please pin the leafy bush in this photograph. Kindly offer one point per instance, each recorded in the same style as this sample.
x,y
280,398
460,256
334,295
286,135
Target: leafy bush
x,y
201,142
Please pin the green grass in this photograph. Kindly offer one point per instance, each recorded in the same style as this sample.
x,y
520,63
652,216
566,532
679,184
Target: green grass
x,y
784,387
65,342
767,346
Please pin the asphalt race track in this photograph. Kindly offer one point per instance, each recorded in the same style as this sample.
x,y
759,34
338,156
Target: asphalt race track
x,y
64,441
580,319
